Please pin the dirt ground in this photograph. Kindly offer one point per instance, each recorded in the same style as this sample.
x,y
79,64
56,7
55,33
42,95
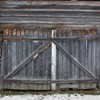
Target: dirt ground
x,y
81,92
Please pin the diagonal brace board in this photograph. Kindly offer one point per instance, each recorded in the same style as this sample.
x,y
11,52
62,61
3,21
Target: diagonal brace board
x,y
22,64
79,65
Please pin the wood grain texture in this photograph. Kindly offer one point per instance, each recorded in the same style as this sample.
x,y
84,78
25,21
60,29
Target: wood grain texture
x,y
50,12
77,26
39,67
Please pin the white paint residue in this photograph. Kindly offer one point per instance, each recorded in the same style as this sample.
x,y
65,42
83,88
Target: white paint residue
x,y
35,56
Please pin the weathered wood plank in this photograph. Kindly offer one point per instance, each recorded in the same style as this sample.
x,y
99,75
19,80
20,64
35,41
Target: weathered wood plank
x,y
9,50
53,61
87,3
30,67
1,61
1,73
47,26
50,14
30,20
42,63
55,10
57,6
98,61
21,38
49,81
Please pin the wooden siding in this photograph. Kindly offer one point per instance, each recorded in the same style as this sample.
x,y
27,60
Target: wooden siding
x,y
26,58
50,12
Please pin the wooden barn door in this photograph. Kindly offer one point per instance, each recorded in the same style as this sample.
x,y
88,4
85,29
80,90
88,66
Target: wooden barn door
x,y
50,59
77,58
27,61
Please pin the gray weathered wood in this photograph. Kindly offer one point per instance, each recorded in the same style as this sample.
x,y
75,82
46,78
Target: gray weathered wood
x,y
24,62
87,37
76,24
53,61
39,67
34,20
24,2
74,60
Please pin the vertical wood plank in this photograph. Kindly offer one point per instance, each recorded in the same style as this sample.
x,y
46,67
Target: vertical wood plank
x,y
98,60
64,58
2,68
53,61
9,59
68,48
20,53
31,62
14,58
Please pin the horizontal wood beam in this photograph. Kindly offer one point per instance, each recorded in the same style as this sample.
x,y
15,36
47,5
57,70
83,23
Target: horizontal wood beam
x,y
52,10
43,2
50,16
47,81
38,38
79,65
54,38
9,6
36,20
47,26
49,19
23,63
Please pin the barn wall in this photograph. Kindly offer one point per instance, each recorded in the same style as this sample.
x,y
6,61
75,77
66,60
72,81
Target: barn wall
x,y
38,19
50,12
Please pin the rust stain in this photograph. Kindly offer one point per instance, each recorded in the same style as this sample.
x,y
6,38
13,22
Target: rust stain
x,y
5,31
14,32
94,31
60,29
82,32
